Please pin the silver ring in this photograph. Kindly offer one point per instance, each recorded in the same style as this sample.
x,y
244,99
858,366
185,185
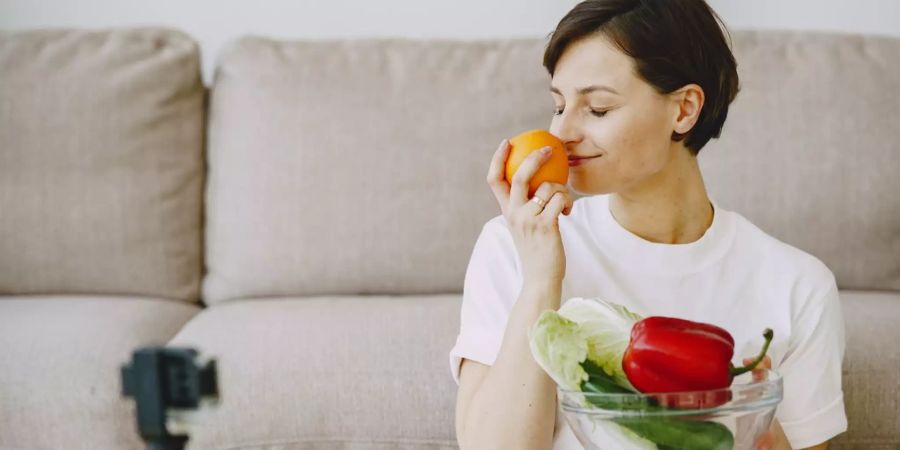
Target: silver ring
x,y
539,201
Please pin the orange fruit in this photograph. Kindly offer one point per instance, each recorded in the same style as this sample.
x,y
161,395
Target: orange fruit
x,y
554,170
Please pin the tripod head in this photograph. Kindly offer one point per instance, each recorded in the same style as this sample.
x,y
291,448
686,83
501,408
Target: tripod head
x,y
163,382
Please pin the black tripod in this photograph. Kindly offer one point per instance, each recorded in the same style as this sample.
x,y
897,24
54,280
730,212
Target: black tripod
x,y
161,379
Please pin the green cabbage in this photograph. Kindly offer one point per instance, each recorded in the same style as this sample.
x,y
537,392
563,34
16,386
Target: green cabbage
x,y
559,347
583,328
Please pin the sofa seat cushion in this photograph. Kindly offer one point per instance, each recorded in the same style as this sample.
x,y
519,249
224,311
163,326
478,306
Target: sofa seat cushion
x,y
871,371
370,373
60,360
329,373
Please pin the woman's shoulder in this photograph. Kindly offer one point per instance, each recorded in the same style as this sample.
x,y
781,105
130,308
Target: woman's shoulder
x,y
778,255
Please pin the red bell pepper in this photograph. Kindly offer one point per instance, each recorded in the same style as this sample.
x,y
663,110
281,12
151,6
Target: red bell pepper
x,y
667,355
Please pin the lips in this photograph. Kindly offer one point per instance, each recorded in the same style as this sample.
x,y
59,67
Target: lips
x,y
578,160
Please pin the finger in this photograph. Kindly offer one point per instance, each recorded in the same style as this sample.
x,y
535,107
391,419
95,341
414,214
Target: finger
x,y
760,372
766,441
547,189
555,206
496,177
757,376
569,203
545,193
518,193
766,363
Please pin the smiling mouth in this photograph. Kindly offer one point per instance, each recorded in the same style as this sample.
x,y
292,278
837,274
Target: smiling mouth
x,y
575,162
580,158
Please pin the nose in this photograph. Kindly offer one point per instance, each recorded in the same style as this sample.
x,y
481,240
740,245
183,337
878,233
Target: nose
x,y
567,130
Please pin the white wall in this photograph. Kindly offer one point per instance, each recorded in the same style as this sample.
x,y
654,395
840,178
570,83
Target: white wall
x,y
215,22
853,16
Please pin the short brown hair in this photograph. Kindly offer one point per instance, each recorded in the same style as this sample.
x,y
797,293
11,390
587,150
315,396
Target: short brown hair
x,y
673,43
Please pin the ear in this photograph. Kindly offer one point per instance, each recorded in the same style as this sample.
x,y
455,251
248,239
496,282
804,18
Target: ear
x,y
689,101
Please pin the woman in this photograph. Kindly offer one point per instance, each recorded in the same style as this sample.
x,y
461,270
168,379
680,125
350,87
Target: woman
x,y
640,87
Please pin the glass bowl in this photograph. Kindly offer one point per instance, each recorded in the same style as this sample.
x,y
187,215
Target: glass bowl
x,y
723,419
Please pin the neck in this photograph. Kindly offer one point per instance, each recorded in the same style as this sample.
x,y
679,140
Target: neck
x,y
671,207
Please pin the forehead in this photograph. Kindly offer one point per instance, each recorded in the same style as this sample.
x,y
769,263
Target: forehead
x,y
594,60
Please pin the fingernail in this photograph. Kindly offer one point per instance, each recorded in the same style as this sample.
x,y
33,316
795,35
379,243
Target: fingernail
x,y
545,151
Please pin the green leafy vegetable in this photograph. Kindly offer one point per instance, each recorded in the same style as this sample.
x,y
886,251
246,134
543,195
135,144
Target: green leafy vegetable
x,y
583,329
559,346
581,347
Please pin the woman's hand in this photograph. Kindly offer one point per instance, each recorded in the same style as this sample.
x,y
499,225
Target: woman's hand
x,y
534,224
771,439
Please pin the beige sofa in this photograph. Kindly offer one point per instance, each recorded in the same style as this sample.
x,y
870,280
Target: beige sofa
x,y
308,221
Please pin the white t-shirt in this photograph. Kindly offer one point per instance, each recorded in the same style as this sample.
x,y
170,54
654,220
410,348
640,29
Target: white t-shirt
x,y
735,276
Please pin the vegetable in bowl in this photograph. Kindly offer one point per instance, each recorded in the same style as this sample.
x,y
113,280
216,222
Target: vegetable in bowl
x,y
583,347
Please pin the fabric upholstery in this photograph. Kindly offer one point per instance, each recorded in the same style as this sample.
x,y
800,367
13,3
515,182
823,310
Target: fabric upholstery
x,y
810,150
871,376
339,168
371,372
101,166
354,373
324,180
358,167
60,360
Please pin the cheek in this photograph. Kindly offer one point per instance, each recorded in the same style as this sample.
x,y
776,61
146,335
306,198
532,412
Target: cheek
x,y
636,148
644,154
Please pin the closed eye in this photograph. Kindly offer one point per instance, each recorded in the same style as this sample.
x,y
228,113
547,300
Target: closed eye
x,y
559,111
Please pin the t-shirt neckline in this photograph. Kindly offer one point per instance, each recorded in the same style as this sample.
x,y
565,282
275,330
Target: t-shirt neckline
x,y
660,258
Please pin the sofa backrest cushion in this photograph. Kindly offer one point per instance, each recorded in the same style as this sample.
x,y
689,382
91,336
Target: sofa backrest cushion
x,y
101,163
358,167
810,152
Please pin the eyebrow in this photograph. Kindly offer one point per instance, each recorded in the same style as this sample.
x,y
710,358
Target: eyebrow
x,y
588,89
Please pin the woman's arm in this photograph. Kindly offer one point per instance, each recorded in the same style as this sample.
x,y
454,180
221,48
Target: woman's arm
x,y
512,404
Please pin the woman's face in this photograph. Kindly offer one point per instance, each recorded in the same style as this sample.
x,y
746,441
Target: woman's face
x,y
626,129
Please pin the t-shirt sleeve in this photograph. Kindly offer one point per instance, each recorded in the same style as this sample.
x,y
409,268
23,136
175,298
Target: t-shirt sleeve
x,y
812,410
492,284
